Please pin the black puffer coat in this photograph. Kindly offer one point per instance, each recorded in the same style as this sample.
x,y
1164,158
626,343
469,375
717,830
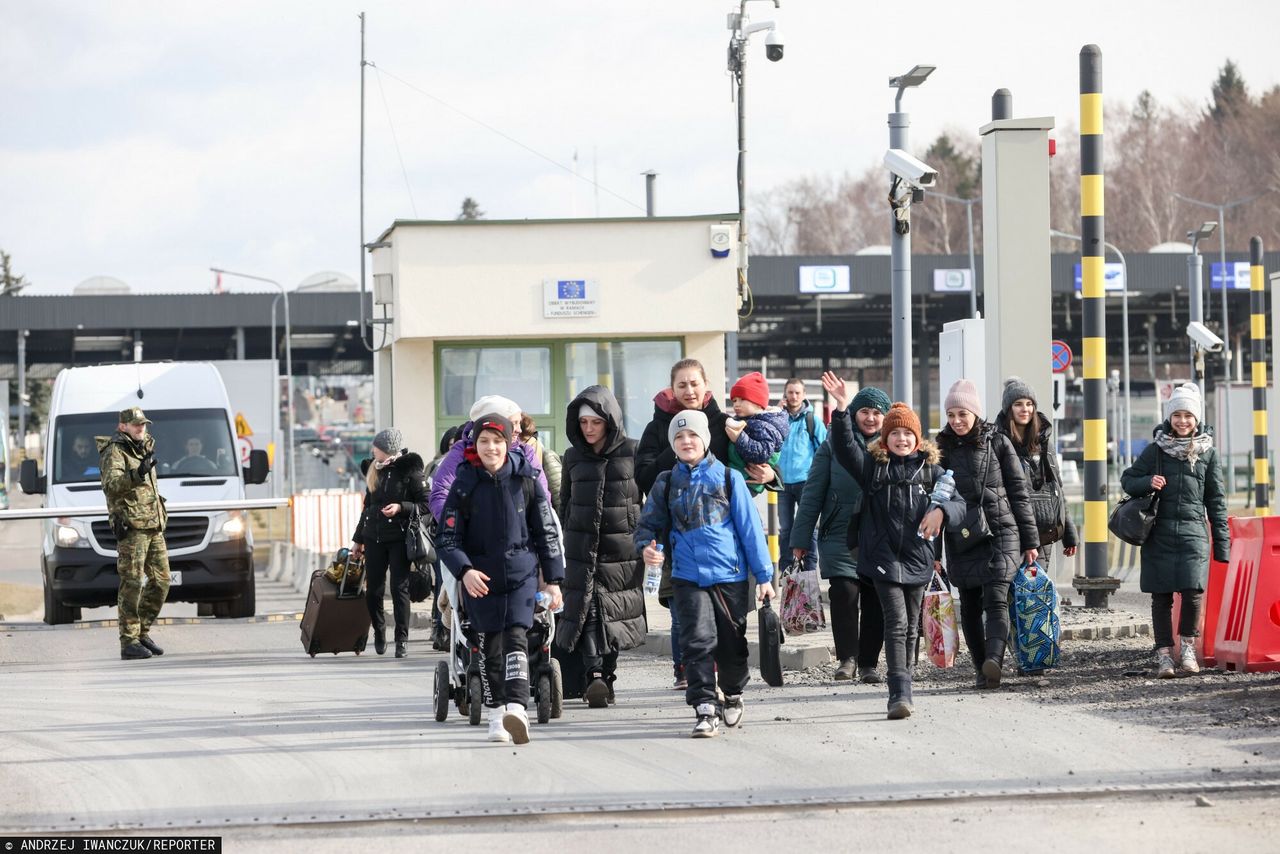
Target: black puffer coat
x,y
404,482
1004,497
600,504
1040,468
655,454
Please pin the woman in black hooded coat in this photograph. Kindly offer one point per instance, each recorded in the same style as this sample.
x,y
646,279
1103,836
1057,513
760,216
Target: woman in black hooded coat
x,y
600,503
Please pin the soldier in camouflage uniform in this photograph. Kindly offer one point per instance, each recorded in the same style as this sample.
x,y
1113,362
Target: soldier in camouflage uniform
x,y
138,519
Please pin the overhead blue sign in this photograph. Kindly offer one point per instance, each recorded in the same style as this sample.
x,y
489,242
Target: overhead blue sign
x,y
1113,272
1237,275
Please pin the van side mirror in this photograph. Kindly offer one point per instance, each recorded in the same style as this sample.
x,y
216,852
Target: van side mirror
x,y
258,469
30,479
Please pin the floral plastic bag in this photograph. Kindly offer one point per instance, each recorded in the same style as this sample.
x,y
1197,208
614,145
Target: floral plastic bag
x,y
940,622
801,600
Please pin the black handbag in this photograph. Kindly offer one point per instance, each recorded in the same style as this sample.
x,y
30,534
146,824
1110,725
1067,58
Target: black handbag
x,y
1133,518
419,542
1049,506
420,577
974,530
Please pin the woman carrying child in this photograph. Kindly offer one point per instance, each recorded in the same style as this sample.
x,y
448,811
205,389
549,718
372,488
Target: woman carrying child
x,y
904,508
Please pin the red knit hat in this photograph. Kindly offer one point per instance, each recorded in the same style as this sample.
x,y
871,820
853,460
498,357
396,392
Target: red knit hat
x,y
753,387
900,415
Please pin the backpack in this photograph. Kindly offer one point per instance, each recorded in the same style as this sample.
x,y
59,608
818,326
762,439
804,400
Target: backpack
x,y
810,424
880,481
527,486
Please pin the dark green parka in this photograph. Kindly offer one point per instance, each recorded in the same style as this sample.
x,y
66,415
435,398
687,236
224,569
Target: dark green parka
x,y
830,495
1176,555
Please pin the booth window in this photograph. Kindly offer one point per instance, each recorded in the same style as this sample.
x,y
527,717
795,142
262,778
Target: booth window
x,y
520,373
633,370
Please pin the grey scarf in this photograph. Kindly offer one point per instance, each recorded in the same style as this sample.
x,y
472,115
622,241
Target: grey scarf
x,y
1189,449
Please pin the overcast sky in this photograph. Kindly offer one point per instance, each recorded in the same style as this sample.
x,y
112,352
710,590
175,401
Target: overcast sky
x,y
150,140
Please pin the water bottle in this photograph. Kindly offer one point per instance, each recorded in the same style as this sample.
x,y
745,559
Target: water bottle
x,y
944,488
653,574
541,601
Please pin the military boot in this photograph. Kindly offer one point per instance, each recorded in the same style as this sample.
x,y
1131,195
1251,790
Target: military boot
x,y
134,650
151,645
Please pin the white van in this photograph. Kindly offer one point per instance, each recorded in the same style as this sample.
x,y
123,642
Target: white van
x,y
210,554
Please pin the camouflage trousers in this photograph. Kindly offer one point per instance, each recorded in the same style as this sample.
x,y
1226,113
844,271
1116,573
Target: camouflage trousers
x,y
142,554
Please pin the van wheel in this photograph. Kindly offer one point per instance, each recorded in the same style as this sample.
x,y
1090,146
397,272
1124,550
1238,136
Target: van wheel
x,y
244,606
55,613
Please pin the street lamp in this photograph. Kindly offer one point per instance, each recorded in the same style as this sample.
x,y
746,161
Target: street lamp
x,y
742,30
1222,208
288,358
1127,432
900,239
973,270
1195,284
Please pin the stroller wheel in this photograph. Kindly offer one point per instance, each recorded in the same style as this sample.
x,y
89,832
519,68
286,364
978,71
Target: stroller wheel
x,y
544,698
475,700
557,689
442,691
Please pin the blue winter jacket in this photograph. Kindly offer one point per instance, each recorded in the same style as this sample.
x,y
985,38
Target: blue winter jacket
x,y
797,452
715,534
762,436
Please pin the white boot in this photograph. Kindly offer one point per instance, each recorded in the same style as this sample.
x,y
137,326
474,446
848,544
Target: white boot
x,y
1164,663
1189,662
497,732
516,722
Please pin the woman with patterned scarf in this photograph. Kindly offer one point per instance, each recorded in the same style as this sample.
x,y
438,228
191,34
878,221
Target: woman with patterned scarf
x,y
1182,465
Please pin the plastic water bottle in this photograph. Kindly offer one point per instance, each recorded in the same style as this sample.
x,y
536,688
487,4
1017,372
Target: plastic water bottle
x,y
943,488
541,600
653,574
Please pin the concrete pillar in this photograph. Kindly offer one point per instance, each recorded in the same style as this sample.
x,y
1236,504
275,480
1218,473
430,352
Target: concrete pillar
x,y
240,343
22,388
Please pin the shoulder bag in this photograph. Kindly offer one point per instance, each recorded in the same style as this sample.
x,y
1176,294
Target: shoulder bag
x,y
974,530
419,545
1048,505
1133,518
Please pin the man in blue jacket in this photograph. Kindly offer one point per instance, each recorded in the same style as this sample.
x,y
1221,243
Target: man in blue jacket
x,y
705,511
806,436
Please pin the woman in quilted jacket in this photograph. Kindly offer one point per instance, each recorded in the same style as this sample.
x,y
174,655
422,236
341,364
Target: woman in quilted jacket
x,y
1182,465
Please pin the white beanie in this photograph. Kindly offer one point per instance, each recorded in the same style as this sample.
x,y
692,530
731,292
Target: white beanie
x,y
1186,397
690,419
504,406
585,411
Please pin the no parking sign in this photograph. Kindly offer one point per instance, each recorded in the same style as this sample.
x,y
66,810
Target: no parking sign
x,y
1061,356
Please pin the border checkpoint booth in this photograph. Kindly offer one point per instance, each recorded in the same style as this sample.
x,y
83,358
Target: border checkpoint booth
x,y
537,310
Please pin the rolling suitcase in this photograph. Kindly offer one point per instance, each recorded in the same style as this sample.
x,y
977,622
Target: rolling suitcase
x,y
335,619
770,643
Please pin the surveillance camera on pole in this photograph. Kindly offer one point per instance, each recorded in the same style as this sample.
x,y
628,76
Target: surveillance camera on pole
x,y
1204,338
914,172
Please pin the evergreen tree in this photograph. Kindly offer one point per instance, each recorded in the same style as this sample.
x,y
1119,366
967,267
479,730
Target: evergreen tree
x,y
1230,95
470,209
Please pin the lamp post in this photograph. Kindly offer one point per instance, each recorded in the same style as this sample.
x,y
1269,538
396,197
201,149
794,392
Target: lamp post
x,y
1127,433
288,357
900,240
1195,284
973,270
1222,208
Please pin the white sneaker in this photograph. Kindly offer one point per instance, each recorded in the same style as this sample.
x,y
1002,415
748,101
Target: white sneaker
x,y
497,732
733,710
516,722
1164,663
1189,662
708,725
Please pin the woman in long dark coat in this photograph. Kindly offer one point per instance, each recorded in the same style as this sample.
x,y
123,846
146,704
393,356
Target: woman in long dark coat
x,y
988,474
600,504
1182,465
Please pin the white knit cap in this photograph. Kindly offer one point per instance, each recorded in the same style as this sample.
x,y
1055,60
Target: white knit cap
x,y
504,406
585,411
1186,397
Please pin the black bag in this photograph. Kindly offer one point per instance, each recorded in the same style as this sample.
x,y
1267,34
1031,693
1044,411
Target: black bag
x,y
420,578
419,542
1133,518
1048,505
770,641
974,530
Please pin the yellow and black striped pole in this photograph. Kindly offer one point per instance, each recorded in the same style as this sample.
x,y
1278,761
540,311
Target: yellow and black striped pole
x,y
1258,353
775,551
1095,585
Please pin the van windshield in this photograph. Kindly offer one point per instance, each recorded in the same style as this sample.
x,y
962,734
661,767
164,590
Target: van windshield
x,y
189,443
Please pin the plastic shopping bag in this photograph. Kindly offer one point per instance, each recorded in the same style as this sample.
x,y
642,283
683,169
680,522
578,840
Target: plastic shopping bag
x,y
801,600
940,622
1035,619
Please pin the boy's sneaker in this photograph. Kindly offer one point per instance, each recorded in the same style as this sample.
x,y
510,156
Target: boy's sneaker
x,y
708,725
1164,663
498,732
733,710
680,682
516,723
597,693
1189,662
844,673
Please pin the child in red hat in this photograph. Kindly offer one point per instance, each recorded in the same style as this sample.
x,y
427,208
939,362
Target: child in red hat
x,y
757,432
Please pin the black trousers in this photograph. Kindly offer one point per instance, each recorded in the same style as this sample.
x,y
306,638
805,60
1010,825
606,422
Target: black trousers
x,y
505,675
598,655
713,637
901,606
989,601
378,557
1188,617
857,623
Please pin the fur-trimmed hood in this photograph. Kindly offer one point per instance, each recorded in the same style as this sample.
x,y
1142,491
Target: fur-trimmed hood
x,y
880,453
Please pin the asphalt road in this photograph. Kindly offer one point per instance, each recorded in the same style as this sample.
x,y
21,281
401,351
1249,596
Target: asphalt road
x,y
235,731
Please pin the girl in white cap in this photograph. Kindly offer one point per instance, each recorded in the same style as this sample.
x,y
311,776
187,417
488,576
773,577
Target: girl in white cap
x,y
1182,465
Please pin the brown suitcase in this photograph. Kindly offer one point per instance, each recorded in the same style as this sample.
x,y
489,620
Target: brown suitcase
x,y
335,619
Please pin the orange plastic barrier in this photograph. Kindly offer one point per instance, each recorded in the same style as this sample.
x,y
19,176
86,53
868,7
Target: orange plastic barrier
x,y
1248,631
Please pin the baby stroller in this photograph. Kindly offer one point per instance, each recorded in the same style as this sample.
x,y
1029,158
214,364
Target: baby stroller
x,y
546,684
457,678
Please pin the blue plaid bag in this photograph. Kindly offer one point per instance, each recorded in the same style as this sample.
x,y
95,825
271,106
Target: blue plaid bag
x,y
1034,617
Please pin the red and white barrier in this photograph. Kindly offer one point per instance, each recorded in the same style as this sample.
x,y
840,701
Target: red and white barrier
x,y
323,521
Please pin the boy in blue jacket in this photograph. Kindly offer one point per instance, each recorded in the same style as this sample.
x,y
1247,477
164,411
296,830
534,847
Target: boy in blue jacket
x,y
705,511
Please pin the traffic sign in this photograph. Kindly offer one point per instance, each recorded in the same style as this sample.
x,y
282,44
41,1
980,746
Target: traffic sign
x,y
1059,397
1061,356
